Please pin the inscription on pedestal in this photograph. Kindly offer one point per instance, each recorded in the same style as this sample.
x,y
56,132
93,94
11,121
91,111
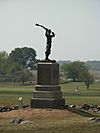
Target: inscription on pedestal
x,y
48,74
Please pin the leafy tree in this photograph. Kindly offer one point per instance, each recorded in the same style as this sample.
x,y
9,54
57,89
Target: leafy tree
x,y
22,59
7,67
88,79
24,56
23,76
3,58
13,69
78,71
74,70
3,65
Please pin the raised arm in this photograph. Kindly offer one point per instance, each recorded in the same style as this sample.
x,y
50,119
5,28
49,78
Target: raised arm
x,y
53,34
41,26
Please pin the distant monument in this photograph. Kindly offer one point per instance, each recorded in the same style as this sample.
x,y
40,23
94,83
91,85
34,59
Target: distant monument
x,y
47,91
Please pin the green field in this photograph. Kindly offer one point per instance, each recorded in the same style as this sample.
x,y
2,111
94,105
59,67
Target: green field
x,y
49,122
91,96
9,93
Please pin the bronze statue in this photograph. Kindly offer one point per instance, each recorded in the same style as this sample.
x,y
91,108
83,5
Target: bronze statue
x,y
49,34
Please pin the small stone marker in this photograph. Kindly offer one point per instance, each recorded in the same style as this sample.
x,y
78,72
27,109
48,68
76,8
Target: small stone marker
x,y
20,102
77,88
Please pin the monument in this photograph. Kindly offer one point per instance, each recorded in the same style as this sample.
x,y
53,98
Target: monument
x,y
47,91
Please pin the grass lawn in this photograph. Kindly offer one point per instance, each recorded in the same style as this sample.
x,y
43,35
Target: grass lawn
x,y
80,100
91,96
9,94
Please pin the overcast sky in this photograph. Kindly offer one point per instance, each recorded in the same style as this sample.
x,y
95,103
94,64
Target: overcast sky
x,y
76,24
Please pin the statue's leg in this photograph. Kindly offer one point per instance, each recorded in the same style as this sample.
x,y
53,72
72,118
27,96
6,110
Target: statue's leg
x,y
47,54
48,50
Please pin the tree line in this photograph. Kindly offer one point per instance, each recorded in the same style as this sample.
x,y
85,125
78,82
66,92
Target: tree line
x,y
17,66
77,71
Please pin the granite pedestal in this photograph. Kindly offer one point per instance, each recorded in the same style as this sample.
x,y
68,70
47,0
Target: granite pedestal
x,y
47,91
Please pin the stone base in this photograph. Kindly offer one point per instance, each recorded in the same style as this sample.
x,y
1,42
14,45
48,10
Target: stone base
x,y
48,61
47,103
47,92
47,88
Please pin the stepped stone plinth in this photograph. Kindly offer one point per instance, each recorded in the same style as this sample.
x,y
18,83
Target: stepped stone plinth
x,y
47,91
